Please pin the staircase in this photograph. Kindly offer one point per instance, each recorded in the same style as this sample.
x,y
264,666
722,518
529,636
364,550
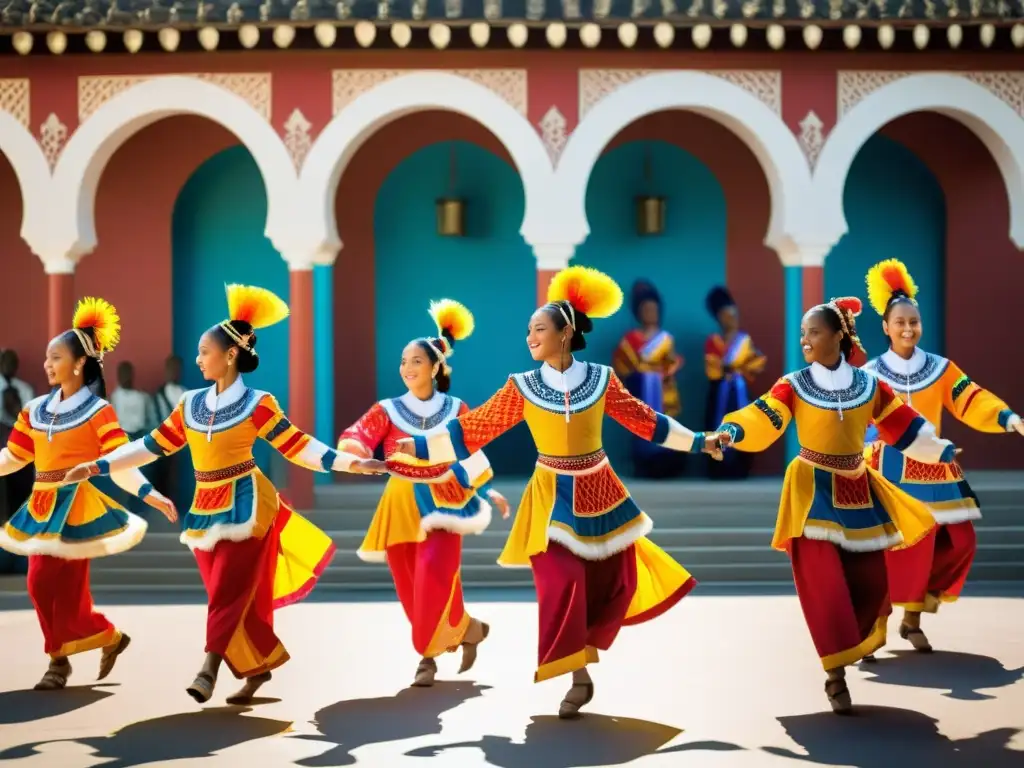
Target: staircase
x,y
721,532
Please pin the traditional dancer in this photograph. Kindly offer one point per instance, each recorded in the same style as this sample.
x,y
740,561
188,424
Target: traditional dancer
x,y
425,510
837,515
254,552
934,570
731,363
647,362
577,527
62,526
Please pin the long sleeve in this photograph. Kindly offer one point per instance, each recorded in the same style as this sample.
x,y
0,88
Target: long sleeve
x,y
624,359
20,449
754,365
644,422
363,437
474,471
903,428
713,365
974,406
112,437
294,444
470,432
757,426
167,439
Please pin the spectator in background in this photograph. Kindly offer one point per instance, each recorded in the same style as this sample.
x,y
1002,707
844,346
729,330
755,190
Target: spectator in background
x,y
9,378
166,472
135,409
16,394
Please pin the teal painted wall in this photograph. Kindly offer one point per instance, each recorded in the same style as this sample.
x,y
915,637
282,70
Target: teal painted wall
x,y
895,208
491,270
217,238
684,262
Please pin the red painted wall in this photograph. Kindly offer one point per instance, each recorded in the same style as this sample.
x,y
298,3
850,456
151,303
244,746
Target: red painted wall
x,y
984,274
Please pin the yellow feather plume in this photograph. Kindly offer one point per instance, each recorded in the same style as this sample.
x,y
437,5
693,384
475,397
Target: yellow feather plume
x,y
587,290
453,317
256,306
102,318
886,278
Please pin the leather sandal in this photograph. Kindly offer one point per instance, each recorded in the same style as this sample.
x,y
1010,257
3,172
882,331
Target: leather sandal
x,y
469,649
839,696
110,654
425,672
55,678
569,709
202,687
917,638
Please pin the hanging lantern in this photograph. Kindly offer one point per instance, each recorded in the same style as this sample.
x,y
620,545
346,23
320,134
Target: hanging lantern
x,y
650,215
451,217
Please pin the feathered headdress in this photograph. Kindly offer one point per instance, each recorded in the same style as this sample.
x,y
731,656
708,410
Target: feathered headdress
x,y
848,308
102,319
585,290
889,280
253,305
454,323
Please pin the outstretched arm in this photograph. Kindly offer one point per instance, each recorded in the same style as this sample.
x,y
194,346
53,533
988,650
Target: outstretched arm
x,y
907,431
165,440
757,426
363,437
112,437
20,450
643,421
976,407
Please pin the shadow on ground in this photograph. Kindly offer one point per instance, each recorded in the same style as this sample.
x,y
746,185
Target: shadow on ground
x,y
962,675
593,740
176,737
412,712
27,706
885,737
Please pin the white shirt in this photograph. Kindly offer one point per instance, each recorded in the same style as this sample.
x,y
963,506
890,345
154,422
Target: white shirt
x,y
423,408
230,395
565,381
832,381
25,392
173,394
903,367
134,410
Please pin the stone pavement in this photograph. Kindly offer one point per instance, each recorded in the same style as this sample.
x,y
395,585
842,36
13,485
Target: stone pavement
x,y
719,681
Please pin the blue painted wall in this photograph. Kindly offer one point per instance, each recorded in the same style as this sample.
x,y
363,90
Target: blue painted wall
x,y
491,270
895,208
684,262
217,238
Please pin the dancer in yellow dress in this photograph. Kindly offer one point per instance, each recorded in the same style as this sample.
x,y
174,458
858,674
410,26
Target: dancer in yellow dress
x,y
63,526
426,510
254,552
934,570
577,527
837,515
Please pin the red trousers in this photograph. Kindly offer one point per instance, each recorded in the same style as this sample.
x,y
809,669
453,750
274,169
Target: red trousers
x,y
844,597
239,580
59,590
582,604
429,586
936,566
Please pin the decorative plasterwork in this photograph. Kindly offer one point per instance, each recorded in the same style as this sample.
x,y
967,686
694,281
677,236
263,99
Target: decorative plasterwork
x,y
93,92
297,138
348,84
14,98
52,136
812,137
852,87
595,84
554,133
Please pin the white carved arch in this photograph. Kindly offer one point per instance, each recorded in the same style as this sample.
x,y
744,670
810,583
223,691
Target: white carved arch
x,y
776,148
356,122
77,174
998,126
33,173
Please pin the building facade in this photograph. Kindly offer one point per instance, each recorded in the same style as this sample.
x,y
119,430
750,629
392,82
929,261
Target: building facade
x,y
793,146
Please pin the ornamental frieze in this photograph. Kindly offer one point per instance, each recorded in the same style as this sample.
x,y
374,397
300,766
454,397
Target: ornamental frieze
x,y
349,84
853,87
14,98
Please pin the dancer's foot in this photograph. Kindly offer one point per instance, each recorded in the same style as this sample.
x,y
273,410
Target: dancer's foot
x,y
202,687
110,654
869,659
56,676
579,695
425,672
838,694
245,694
476,634
917,638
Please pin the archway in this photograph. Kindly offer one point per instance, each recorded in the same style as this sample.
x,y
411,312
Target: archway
x,y
26,160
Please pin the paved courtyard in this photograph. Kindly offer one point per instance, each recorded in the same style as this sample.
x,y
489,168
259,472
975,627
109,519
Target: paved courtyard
x,y
720,681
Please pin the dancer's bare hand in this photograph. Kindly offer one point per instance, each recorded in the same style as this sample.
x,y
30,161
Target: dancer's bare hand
x,y
164,505
406,446
1018,425
714,445
368,467
500,502
81,472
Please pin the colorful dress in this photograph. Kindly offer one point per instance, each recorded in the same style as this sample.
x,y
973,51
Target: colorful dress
x,y
61,527
577,526
837,515
422,515
730,369
934,571
254,552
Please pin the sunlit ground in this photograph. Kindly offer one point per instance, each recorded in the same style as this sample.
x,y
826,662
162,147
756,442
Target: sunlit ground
x,y
719,681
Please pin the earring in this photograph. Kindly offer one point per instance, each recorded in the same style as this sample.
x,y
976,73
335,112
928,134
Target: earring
x,y
230,361
77,373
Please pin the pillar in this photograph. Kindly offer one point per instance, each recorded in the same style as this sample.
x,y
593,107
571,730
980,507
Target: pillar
x,y
301,375
323,345
60,300
551,258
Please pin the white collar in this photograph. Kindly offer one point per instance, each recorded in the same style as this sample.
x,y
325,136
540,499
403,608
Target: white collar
x,y
229,396
423,408
830,380
567,381
56,405
897,364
